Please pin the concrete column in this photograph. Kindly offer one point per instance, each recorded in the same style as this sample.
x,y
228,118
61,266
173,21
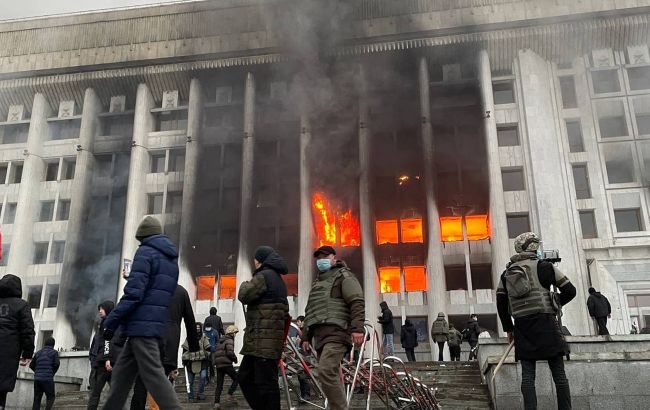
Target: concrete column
x,y
244,259
552,197
136,204
498,224
192,149
468,265
436,286
28,195
78,210
371,286
305,259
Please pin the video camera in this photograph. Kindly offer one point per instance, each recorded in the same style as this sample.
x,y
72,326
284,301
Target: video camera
x,y
552,256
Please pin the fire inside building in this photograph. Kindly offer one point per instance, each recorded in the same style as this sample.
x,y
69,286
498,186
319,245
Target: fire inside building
x,y
418,138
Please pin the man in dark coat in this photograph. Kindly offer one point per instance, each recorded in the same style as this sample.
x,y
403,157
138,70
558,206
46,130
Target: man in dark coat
x,y
409,339
388,328
45,364
536,333
599,309
214,321
265,296
471,332
142,312
16,333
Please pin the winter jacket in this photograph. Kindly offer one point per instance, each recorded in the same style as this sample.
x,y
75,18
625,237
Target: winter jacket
x,y
143,310
409,336
267,309
386,319
215,322
16,330
225,354
105,350
45,364
598,305
200,359
180,308
440,329
454,338
471,331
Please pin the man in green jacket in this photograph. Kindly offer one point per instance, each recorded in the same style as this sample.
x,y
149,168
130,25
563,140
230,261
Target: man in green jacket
x,y
267,311
334,320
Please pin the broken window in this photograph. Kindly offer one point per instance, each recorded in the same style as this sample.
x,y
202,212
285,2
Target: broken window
x,y
451,228
477,227
205,287
588,224
389,279
227,286
412,230
415,278
581,181
387,232
574,135
568,91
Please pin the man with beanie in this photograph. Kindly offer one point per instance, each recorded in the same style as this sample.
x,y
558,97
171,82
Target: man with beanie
x,y
387,328
440,333
142,312
524,293
267,311
334,321
45,364
599,309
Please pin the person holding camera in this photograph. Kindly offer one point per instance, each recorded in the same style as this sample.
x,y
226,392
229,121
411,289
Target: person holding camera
x,y
524,293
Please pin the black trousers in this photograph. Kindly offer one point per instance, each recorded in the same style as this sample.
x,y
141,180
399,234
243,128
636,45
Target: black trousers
x,y
410,354
41,387
473,350
221,374
559,378
258,379
101,378
602,325
441,349
3,399
454,351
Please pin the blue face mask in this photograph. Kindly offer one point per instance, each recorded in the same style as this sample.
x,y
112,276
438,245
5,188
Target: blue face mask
x,y
323,265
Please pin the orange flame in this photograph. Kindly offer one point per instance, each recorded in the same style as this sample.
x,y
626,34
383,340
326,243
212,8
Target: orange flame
x,y
348,232
325,221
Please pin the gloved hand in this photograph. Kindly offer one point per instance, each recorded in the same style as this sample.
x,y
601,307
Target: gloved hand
x,y
108,334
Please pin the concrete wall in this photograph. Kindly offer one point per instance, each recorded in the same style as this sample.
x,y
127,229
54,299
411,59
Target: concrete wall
x,y
23,395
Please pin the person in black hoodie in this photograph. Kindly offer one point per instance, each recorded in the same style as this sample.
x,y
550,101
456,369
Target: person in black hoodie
x,y
45,365
409,339
470,333
388,328
16,333
599,309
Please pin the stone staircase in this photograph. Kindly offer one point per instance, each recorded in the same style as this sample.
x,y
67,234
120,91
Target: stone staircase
x,y
458,387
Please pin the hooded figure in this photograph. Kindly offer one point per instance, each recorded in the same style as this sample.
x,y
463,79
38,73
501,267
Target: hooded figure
x,y
409,339
16,333
599,309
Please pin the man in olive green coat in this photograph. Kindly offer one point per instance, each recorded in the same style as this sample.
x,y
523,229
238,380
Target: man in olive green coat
x,y
334,320
267,311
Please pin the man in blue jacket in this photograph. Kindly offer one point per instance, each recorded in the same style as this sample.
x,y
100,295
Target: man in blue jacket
x,y
142,312
45,365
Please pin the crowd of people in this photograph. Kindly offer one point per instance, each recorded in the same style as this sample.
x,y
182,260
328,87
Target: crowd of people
x,y
136,343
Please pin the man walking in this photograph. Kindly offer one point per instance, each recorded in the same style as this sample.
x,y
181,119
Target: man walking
x,y
213,327
454,340
599,309
471,332
388,329
224,358
524,293
142,312
409,339
45,364
334,321
440,333
265,297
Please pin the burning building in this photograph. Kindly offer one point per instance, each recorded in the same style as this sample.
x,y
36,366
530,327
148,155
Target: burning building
x,y
417,137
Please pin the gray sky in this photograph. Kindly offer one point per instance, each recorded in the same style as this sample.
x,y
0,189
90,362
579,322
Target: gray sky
x,y
12,9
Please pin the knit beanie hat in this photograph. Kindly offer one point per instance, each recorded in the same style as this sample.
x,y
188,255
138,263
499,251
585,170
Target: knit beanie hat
x,y
149,226
263,252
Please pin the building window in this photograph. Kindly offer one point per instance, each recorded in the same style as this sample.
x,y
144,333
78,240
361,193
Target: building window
x,y
477,227
605,81
227,286
171,120
16,173
56,255
508,136
174,202
581,181
117,126
628,220
639,78
34,296
40,253
588,224
517,224
47,211
205,287
15,134
155,204
451,228
63,210
611,119
411,230
52,295
503,92
568,90
387,232
619,163
574,135
52,171
103,166
223,95
481,276
69,166
455,277
157,162
415,279
513,179
177,160
4,168
62,130
642,115
389,279
10,213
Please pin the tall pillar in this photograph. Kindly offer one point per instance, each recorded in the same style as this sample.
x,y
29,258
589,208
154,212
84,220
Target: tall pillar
x,y
192,149
552,197
28,195
436,286
79,202
498,223
370,279
136,204
305,259
244,261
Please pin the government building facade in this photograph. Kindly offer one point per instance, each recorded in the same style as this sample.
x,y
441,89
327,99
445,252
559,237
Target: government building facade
x,y
417,137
